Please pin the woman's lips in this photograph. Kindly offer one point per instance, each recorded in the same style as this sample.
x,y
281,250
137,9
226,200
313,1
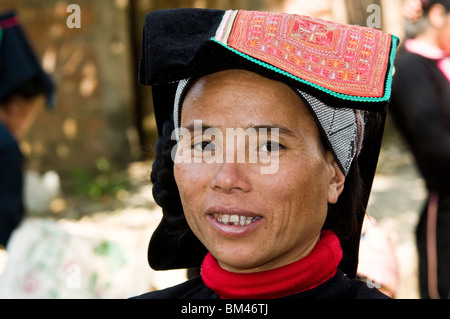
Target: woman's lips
x,y
233,221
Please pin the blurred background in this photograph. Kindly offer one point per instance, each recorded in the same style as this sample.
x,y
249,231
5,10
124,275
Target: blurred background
x,y
90,211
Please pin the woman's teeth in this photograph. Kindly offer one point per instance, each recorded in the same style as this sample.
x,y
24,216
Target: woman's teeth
x,y
234,219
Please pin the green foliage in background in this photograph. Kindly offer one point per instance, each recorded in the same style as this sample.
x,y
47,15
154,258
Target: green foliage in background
x,y
105,180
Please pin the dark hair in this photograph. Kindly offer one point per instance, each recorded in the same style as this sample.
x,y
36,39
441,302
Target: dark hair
x,y
165,190
345,218
428,4
27,90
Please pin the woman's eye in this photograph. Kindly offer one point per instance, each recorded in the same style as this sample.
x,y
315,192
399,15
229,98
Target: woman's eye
x,y
270,146
204,146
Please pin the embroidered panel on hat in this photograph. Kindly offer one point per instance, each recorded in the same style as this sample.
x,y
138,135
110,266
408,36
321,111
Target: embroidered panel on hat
x,y
341,59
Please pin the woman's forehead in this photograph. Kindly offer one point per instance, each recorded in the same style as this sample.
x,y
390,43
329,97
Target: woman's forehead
x,y
238,91
237,76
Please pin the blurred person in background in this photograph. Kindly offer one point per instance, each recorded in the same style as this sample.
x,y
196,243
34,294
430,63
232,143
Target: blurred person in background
x,y
378,265
24,90
420,107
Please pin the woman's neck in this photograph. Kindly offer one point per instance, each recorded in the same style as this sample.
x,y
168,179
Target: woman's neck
x,y
284,260
428,37
305,274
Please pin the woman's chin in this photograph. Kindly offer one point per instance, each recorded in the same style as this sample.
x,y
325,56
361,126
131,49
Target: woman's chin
x,y
238,266
239,262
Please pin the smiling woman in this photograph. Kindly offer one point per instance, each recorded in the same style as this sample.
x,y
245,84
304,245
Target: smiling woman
x,y
285,212
290,232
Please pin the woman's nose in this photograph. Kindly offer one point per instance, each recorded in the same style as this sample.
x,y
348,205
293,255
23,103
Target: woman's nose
x,y
230,177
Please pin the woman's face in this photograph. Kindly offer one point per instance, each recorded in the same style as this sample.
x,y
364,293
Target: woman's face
x,y
19,114
279,215
439,20
444,35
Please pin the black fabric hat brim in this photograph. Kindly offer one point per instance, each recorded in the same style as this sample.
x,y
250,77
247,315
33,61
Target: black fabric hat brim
x,y
174,248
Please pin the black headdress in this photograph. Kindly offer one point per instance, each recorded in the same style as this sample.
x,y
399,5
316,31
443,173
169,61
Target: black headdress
x,y
335,65
18,62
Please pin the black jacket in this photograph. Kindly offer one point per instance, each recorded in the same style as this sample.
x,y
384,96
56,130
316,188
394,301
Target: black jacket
x,y
420,106
11,185
338,287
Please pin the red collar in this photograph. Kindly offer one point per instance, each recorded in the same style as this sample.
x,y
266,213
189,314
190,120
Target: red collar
x,y
307,273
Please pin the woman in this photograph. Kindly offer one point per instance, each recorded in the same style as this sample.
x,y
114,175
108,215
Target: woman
x,y
24,89
420,108
260,169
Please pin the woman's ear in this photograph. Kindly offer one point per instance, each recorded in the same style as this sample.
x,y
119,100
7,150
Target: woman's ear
x,y
337,181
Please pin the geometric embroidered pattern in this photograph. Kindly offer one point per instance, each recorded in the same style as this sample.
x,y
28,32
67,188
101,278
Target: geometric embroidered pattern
x,y
341,59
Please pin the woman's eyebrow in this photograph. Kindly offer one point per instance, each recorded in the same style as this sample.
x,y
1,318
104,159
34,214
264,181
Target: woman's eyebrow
x,y
192,127
281,129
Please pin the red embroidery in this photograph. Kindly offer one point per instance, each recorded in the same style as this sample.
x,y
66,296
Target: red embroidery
x,y
345,59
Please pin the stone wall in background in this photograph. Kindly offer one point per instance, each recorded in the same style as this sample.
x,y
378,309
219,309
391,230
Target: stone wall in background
x,y
91,67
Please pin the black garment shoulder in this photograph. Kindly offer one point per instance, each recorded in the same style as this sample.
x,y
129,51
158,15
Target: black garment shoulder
x,y
420,96
6,139
338,287
191,289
